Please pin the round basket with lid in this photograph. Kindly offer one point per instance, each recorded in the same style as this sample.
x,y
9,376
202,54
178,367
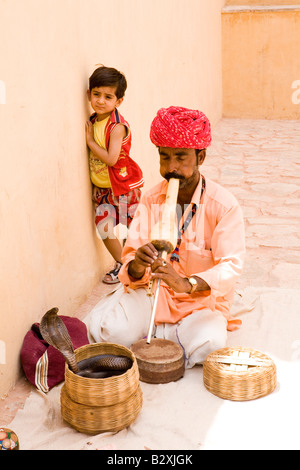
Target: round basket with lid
x,y
239,374
105,404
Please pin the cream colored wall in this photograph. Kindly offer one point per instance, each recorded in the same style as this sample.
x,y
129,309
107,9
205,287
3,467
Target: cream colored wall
x,y
261,63
263,2
170,52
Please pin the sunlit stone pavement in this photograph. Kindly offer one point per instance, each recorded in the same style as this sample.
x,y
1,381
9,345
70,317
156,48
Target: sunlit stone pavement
x,y
259,161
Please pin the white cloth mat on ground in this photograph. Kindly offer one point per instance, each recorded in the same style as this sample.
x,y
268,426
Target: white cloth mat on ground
x,y
183,415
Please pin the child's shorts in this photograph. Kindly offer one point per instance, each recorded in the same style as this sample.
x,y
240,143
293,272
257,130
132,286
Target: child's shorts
x,y
121,209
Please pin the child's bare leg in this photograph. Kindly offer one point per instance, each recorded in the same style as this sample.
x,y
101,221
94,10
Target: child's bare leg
x,y
113,245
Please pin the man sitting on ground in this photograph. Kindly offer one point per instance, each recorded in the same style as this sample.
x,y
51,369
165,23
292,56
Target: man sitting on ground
x,y
198,279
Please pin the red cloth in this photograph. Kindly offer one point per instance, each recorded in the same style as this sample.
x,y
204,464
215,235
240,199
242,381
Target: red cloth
x,y
44,366
125,175
121,209
178,127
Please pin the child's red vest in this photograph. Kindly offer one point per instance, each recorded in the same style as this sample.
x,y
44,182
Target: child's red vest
x,y
126,174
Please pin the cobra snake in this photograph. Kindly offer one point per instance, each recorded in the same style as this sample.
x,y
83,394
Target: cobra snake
x,y
54,331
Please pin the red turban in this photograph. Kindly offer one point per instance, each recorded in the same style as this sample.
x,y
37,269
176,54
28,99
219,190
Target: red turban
x,y
178,127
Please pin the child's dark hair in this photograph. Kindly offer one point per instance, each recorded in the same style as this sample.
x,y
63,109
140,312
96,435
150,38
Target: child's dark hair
x,y
108,76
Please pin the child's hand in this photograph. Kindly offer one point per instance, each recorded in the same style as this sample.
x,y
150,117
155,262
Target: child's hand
x,y
89,132
96,194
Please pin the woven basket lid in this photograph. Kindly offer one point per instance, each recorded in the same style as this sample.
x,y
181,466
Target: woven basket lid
x,y
161,361
239,373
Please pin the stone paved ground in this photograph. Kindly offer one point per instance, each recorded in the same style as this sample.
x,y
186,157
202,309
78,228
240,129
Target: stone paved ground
x,y
259,161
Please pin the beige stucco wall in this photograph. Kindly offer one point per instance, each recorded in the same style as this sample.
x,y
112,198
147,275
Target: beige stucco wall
x,y
262,2
170,52
261,63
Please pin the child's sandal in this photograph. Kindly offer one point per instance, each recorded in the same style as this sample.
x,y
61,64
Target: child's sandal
x,y
112,276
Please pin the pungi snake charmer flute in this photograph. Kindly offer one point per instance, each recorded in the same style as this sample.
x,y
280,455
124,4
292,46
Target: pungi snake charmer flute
x,y
164,237
160,360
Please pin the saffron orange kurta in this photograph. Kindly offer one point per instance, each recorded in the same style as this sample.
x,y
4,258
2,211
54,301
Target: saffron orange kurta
x,y
212,248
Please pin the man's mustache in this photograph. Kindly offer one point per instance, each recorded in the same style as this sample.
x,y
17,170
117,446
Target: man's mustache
x,y
168,176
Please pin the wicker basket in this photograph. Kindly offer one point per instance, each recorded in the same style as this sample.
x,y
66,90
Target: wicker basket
x,y
239,374
100,405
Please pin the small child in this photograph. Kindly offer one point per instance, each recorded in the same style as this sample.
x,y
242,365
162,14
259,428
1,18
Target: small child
x,y
116,178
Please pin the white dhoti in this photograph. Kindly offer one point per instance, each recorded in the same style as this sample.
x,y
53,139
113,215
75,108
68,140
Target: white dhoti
x,y
124,318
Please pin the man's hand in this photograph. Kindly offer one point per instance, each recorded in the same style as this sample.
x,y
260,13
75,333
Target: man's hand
x,y
145,256
163,270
